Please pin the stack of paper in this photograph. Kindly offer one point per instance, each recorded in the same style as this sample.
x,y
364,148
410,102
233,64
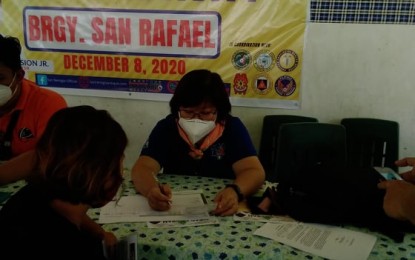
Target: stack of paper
x,y
189,208
322,240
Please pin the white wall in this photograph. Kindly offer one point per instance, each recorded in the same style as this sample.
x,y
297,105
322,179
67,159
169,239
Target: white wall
x,y
349,70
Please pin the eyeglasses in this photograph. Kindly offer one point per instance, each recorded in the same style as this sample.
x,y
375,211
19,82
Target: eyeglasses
x,y
204,115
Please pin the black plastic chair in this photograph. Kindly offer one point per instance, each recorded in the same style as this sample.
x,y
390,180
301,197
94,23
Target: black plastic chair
x,y
372,142
269,140
303,146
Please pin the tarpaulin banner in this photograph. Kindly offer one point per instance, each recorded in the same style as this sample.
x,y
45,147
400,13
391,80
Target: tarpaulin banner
x,y
140,49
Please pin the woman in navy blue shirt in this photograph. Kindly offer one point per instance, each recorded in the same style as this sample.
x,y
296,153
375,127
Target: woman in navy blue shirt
x,y
199,137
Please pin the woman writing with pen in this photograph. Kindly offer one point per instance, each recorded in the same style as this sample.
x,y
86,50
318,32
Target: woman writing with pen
x,y
199,137
163,189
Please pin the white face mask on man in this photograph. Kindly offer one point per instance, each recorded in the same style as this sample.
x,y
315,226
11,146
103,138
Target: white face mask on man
x,y
6,92
195,128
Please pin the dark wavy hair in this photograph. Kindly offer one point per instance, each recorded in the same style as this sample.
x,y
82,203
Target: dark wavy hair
x,y
10,50
198,86
79,156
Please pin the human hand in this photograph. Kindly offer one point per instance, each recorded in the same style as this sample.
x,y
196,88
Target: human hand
x,y
395,202
159,197
110,243
409,175
226,202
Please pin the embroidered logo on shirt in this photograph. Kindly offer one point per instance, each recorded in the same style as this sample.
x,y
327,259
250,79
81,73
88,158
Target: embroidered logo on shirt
x,y
217,150
25,134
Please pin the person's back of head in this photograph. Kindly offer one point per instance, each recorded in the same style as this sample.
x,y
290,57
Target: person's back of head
x,y
79,156
10,50
201,86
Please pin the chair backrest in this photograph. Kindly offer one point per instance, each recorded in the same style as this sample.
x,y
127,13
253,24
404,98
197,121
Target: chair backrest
x,y
269,140
372,142
302,146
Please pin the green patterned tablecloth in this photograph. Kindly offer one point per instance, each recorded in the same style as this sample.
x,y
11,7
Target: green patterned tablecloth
x,y
229,239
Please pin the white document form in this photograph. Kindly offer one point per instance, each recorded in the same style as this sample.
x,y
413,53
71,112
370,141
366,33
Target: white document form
x,y
186,205
326,241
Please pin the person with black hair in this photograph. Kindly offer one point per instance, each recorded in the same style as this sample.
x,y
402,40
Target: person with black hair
x,y
199,137
25,108
78,164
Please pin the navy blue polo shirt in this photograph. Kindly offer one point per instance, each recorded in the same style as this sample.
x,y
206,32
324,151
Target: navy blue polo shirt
x,y
167,147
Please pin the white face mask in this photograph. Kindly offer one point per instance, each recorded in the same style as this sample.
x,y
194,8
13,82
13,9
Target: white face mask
x,y
195,128
6,92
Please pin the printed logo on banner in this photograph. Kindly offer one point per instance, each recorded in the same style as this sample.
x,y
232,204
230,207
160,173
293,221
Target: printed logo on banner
x,y
264,60
287,60
261,84
42,80
240,83
285,85
171,86
241,59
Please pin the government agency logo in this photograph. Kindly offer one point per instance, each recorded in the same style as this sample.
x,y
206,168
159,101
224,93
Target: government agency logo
x,y
264,60
262,83
287,60
240,83
285,86
241,59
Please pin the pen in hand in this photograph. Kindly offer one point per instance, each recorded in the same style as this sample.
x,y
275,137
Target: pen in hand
x,y
160,187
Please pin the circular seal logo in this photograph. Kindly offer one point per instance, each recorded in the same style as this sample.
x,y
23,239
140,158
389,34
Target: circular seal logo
x,y
241,59
264,60
285,85
287,60
171,86
261,84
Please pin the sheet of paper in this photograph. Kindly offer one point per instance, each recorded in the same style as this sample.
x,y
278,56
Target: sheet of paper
x,y
186,205
322,240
